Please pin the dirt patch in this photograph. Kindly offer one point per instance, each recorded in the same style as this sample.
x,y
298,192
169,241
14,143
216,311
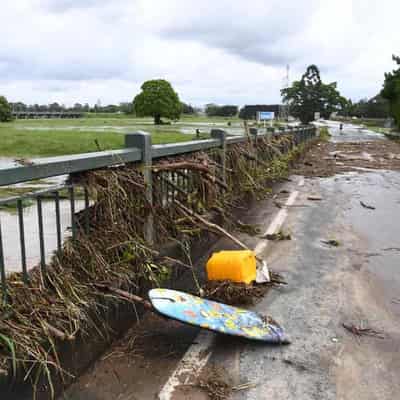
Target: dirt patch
x,y
138,365
328,159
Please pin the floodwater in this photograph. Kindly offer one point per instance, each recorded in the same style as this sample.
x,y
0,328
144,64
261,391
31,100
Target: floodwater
x,y
6,162
379,189
11,238
350,132
10,227
182,127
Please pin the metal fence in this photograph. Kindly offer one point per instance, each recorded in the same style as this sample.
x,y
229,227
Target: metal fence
x,y
138,148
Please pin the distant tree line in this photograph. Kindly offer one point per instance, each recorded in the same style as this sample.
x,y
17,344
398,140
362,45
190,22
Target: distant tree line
x,y
214,110
77,107
376,107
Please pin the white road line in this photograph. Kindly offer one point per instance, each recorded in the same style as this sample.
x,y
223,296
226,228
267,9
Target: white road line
x,y
194,360
198,354
277,223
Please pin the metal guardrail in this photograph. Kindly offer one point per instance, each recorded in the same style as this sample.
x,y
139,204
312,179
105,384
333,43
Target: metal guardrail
x,y
138,149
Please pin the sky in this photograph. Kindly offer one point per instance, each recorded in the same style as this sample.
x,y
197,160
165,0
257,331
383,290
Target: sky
x,y
220,51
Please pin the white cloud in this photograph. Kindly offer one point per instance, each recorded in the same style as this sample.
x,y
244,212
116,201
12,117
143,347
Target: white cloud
x,y
222,51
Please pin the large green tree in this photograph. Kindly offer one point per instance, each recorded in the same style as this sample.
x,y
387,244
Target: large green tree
x,y
159,100
5,110
311,95
391,91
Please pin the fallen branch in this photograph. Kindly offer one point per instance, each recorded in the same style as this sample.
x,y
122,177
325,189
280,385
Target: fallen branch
x,y
57,333
181,165
367,206
126,295
314,198
363,331
261,162
210,225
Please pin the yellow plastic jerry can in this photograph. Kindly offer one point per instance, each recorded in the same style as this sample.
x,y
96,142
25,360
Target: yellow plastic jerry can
x,y
236,266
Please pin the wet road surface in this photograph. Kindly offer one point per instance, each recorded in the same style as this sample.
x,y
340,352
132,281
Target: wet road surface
x,y
357,282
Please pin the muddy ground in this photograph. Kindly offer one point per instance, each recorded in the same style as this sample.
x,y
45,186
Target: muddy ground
x,y
331,158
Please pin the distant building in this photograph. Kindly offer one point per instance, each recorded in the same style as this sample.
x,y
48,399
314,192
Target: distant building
x,y
250,111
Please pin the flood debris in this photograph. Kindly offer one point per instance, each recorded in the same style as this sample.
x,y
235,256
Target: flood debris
x,y
314,198
362,331
331,242
296,364
240,293
244,386
277,236
331,158
392,249
65,303
215,383
367,206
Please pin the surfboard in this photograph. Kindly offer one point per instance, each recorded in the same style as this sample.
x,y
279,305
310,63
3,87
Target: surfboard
x,y
216,316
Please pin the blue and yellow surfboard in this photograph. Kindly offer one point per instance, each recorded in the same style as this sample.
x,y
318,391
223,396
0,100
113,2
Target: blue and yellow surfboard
x,y
216,317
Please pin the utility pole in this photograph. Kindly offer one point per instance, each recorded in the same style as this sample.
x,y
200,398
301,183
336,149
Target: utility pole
x,y
285,112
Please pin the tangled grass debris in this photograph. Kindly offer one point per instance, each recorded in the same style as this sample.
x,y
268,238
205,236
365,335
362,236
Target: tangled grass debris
x,y
65,301
233,293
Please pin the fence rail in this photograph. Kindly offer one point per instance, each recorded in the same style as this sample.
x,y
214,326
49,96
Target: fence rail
x,y
138,148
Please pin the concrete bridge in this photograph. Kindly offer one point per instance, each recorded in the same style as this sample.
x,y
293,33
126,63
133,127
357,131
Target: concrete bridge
x,y
45,115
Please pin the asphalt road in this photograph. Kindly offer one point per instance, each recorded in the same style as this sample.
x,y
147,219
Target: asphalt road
x,y
357,282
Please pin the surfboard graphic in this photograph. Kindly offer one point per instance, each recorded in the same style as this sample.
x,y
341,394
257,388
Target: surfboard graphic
x,y
216,317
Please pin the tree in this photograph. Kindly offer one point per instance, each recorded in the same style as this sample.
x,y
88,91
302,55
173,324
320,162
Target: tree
x,y
157,99
213,110
376,107
19,106
126,108
310,95
187,109
391,91
5,110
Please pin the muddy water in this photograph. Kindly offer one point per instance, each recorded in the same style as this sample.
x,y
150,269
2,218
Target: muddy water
x,y
10,227
6,162
350,132
10,231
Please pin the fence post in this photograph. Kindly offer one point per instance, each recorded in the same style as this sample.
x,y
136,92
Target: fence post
x,y
3,282
254,135
221,136
142,140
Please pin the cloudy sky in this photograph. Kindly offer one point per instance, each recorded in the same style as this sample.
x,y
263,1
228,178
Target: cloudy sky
x,y
222,51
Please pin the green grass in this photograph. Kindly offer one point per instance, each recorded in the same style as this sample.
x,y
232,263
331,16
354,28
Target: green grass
x,y
52,137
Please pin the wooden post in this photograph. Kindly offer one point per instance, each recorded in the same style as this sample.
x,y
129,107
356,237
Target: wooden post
x,y
221,136
142,140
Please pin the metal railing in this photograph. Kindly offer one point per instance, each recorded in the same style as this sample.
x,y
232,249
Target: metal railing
x,y
138,148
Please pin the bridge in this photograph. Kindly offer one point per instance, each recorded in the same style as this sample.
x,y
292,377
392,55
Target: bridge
x,y
45,115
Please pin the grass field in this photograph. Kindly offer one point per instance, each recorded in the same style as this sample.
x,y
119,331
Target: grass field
x,y
42,138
